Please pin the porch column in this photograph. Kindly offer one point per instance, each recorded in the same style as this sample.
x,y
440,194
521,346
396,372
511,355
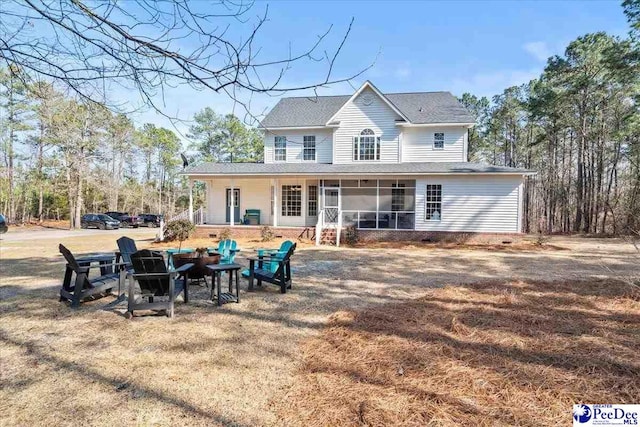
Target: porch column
x,y
190,200
232,208
275,201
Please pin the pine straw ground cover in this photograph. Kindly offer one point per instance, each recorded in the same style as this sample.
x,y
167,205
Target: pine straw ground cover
x,y
514,353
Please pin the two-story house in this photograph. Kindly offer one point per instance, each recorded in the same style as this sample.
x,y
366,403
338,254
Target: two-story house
x,y
386,163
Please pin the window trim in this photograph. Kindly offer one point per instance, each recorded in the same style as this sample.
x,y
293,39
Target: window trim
x,y
434,140
357,149
437,203
290,204
312,138
312,200
279,140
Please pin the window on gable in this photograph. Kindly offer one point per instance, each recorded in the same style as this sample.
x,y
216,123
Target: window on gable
x,y
438,141
280,149
366,146
309,148
433,202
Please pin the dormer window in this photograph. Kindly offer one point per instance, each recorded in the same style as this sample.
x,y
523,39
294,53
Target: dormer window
x,y
366,146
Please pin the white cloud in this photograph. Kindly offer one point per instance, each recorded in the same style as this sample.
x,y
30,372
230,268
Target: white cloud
x,y
402,72
539,50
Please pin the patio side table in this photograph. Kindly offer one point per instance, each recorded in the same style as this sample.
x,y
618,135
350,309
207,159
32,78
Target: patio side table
x,y
216,279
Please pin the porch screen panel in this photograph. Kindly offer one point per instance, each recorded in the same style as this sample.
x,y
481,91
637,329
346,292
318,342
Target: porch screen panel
x,y
359,199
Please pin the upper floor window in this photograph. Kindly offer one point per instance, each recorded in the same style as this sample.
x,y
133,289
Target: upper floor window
x,y
309,148
438,141
280,149
366,146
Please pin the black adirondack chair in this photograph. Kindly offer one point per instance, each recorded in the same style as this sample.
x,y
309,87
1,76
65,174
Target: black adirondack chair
x,y
127,247
280,277
82,287
157,287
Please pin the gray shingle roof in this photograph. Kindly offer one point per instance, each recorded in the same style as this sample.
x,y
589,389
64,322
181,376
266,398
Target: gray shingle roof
x,y
418,107
316,169
431,107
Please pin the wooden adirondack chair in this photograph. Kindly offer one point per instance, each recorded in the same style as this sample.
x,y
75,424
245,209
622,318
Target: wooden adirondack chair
x,y
280,277
83,287
155,282
275,253
127,247
227,249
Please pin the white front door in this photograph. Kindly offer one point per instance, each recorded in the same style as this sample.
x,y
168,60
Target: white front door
x,y
331,205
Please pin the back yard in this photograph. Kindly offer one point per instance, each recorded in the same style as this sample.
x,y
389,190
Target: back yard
x,y
390,335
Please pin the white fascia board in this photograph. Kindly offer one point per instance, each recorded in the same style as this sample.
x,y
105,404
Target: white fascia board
x,y
284,128
330,174
431,125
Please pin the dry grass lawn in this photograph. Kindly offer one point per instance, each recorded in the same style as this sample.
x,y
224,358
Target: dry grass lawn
x,y
514,339
481,355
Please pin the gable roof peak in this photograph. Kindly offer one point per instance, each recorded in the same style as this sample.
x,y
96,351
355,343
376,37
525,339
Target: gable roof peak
x,y
368,83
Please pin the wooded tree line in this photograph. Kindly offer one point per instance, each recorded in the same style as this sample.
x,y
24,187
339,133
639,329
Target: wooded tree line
x,y
578,126
62,157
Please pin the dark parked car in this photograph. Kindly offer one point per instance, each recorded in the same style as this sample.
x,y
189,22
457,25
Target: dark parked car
x,y
125,219
151,220
101,221
3,224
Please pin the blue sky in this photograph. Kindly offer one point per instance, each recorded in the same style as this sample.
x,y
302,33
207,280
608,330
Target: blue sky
x,y
459,46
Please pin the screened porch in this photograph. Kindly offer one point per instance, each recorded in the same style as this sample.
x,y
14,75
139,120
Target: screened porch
x,y
387,204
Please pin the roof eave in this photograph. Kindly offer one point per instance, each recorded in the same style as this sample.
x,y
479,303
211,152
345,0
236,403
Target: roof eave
x,y
418,125
267,174
276,128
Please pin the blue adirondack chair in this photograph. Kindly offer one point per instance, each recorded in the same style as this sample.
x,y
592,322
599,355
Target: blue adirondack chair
x,y
227,249
275,253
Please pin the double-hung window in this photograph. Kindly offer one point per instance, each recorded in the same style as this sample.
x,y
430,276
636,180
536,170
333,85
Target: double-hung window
x,y
438,141
291,200
313,200
309,148
366,146
433,202
397,197
280,149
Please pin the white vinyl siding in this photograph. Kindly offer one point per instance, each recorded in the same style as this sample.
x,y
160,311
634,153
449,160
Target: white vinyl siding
x,y
472,203
254,194
418,144
295,145
378,117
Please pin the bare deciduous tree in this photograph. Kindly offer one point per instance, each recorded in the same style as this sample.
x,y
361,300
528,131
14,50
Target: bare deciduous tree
x,y
152,45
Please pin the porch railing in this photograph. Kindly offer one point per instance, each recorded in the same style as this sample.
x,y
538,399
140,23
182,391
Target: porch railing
x,y
319,226
386,220
339,230
199,216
